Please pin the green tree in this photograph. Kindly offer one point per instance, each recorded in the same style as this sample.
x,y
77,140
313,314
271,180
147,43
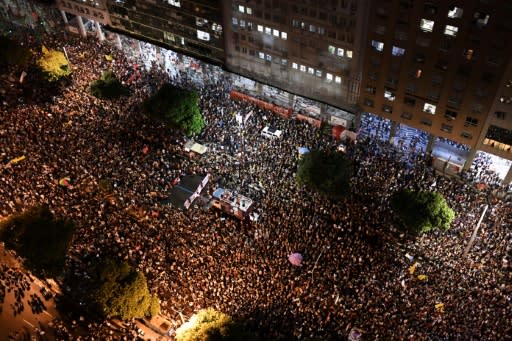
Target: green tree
x,y
422,211
326,172
12,53
53,64
211,325
39,238
108,87
179,108
122,292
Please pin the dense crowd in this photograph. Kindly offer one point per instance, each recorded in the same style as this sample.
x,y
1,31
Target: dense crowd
x,y
356,268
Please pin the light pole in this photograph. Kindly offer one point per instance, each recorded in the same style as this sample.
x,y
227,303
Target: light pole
x,y
475,231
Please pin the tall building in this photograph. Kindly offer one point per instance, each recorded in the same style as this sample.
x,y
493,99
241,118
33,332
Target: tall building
x,y
437,65
192,27
310,48
496,136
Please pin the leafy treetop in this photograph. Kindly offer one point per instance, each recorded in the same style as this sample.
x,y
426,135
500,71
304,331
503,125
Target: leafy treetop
x,y
122,292
211,325
326,172
39,238
422,211
108,86
54,64
176,107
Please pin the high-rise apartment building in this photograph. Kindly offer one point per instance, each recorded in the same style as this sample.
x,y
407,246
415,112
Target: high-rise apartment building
x,y
496,137
310,48
436,65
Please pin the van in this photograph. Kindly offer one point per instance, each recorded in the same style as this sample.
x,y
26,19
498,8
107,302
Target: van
x,y
271,132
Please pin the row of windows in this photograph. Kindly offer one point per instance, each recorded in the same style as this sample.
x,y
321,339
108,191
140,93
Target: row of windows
x,y
339,51
329,77
479,19
390,95
309,27
263,29
397,51
428,108
424,121
273,32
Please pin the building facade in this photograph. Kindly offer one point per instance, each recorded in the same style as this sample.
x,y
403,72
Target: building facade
x,y
436,65
310,48
496,136
192,27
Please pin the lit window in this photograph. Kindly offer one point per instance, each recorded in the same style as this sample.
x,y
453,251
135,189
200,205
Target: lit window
x,y
481,19
427,25
429,108
303,68
406,115
468,53
331,49
203,35
368,102
321,30
261,55
337,79
295,23
276,33
370,89
450,115
389,95
312,28
268,30
397,51
248,10
295,66
302,25
311,70
418,73
269,58
471,122
340,52
235,21
349,54
455,12
329,77
284,62
387,108
451,30
426,121
466,135
446,128
377,45
318,73
260,28
241,9
242,23
284,35
174,3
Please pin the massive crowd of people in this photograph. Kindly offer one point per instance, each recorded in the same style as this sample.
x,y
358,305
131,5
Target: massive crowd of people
x,y
356,272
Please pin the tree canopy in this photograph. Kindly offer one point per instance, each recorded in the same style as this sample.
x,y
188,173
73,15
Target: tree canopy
x,y
53,64
108,87
122,292
39,238
326,172
179,108
211,325
422,211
